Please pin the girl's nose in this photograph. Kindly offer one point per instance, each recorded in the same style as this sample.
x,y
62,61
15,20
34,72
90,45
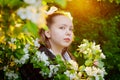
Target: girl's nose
x,y
68,32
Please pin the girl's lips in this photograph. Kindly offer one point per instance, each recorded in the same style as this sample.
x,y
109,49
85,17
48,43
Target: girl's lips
x,y
67,39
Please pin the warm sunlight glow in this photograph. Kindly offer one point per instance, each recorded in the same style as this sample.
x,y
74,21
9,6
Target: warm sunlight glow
x,y
83,7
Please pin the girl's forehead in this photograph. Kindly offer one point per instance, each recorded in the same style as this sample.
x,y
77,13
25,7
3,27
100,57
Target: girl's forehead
x,y
61,16
62,19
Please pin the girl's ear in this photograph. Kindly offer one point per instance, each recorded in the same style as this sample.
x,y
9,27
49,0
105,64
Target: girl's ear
x,y
47,33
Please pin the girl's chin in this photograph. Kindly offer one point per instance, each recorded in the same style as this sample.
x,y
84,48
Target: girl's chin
x,y
66,45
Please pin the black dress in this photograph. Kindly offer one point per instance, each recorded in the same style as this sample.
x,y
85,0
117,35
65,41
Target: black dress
x,y
29,73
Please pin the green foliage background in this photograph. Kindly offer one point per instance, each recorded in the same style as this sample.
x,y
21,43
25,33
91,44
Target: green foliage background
x,y
102,26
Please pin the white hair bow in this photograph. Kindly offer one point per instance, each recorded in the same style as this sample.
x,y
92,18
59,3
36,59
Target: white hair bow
x,y
51,10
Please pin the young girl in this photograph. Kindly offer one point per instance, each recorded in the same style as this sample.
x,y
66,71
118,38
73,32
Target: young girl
x,y
59,34
54,41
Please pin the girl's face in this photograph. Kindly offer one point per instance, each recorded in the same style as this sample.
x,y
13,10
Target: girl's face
x,y
60,33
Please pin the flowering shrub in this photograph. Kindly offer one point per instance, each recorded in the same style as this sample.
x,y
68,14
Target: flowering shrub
x,y
15,55
92,69
19,43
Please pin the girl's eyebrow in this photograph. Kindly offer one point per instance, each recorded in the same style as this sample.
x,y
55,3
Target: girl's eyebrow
x,y
66,25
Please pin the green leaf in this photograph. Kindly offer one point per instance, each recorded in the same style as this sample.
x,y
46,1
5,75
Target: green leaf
x,y
45,27
58,59
101,64
117,1
48,1
111,1
61,3
31,28
45,69
19,53
17,31
81,68
12,3
88,62
61,77
1,2
29,40
5,2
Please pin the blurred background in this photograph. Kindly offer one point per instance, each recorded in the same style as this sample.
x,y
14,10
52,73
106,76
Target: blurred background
x,y
99,21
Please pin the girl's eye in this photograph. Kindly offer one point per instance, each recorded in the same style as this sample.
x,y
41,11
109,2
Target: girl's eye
x,y
71,29
62,27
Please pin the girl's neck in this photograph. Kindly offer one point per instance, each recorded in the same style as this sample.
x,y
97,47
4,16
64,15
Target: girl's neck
x,y
56,50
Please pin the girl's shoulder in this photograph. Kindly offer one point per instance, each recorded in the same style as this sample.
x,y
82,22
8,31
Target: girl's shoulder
x,y
44,49
28,72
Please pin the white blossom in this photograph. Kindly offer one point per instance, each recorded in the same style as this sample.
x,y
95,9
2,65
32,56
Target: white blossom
x,y
36,42
102,56
85,52
67,73
27,13
79,74
42,57
13,40
35,17
98,48
30,1
33,13
53,70
11,75
33,2
89,50
83,47
95,47
43,73
22,60
26,48
5,68
22,13
89,71
72,76
96,62
96,72
73,65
